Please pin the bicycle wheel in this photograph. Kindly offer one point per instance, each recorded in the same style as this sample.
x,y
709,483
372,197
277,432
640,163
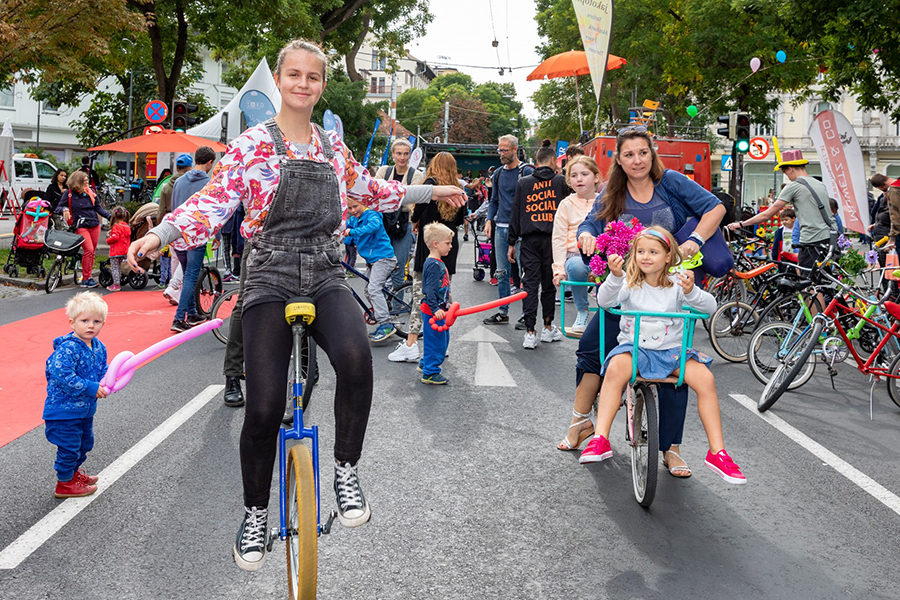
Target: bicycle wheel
x,y
766,344
401,309
75,265
791,364
785,307
730,328
893,384
309,376
222,309
645,445
207,290
302,529
53,277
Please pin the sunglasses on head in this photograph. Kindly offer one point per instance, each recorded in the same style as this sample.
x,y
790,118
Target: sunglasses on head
x,y
633,128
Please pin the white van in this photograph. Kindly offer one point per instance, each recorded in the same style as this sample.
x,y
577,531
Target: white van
x,y
30,173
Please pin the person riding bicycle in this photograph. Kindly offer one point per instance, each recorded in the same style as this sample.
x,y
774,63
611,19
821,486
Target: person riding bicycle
x,y
647,285
293,178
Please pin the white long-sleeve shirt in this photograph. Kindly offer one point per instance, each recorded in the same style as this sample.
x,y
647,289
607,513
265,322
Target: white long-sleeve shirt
x,y
657,333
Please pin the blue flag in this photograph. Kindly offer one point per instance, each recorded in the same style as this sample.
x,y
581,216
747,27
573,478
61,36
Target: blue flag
x,y
365,161
388,149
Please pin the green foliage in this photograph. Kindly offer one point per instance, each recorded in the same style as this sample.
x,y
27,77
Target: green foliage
x,y
478,113
852,262
679,52
345,99
40,153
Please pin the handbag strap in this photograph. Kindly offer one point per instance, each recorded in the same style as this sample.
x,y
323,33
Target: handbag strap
x,y
825,216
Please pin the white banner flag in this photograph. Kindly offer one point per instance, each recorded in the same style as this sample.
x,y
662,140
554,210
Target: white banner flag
x,y
595,23
843,170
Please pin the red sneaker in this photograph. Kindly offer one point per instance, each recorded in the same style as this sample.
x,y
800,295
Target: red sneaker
x,y
74,488
722,464
598,450
84,478
494,281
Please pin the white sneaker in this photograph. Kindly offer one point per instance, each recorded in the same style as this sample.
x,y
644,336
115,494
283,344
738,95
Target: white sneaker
x,y
530,341
581,322
551,335
404,353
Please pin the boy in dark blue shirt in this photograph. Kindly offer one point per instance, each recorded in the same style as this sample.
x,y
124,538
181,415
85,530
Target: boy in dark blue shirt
x,y
436,289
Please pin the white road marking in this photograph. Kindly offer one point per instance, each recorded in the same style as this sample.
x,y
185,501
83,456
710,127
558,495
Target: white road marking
x,y
489,368
43,530
482,334
866,483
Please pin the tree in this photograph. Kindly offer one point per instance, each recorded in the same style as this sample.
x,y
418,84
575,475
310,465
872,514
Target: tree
x,y
53,40
859,46
679,52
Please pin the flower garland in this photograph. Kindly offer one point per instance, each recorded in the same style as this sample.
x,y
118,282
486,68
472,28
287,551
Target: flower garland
x,y
615,239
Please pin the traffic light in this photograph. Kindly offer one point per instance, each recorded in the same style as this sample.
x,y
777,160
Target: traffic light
x,y
181,111
742,132
728,120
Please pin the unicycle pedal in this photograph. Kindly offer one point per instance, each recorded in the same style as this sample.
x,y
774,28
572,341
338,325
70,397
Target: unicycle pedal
x,y
273,535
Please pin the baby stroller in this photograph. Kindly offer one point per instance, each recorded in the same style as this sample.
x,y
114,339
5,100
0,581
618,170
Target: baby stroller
x,y
27,249
139,228
483,249
66,245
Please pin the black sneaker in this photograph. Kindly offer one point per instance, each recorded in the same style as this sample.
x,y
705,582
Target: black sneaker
x,y
497,319
520,324
353,510
234,396
179,326
195,319
250,546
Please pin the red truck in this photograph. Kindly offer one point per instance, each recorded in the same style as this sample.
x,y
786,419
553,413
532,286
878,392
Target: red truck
x,y
690,157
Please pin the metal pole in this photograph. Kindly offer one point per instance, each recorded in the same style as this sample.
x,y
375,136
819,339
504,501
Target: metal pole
x,y
393,98
578,101
37,142
130,173
446,122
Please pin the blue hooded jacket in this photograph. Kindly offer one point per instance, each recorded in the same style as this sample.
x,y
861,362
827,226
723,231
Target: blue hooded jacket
x,y
73,373
367,232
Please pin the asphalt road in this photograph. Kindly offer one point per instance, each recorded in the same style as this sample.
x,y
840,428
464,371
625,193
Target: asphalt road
x,y
470,498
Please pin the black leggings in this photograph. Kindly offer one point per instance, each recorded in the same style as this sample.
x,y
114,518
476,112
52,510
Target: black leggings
x,y
340,331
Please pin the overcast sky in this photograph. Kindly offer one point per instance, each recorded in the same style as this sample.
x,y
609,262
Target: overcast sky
x,y
461,34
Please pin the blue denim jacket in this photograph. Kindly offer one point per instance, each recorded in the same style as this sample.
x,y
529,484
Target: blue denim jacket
x,y
73,372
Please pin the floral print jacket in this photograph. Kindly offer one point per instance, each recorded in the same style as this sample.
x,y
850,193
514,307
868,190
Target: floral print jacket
x,y
73,372
248,174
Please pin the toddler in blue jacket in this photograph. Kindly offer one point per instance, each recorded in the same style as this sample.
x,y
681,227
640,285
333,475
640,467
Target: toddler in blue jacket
x,y
365,228
74,372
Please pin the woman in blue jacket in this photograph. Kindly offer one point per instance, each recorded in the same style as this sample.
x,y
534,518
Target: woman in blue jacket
x,y
79,205
639,187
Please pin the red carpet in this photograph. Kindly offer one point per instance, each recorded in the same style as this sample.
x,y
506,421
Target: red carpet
x,y
136,320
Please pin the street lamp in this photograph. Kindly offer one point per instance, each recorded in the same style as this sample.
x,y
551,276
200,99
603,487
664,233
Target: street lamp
x,y
130,90
774,135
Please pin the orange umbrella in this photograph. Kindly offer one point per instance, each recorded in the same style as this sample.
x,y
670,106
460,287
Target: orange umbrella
x,y
569,64
165,140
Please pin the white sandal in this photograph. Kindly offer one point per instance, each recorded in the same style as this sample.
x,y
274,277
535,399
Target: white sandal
x,y
583,436
679,468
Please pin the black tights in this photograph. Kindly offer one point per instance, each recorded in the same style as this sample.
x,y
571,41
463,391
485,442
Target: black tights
x,y
340,331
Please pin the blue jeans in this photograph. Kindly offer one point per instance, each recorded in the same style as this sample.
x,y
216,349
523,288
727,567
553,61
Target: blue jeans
x,y
501,251
401,251
191,263
434,347
576,270
73,439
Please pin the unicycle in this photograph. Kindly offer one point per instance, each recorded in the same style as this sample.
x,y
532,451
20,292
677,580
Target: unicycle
x,y
300,510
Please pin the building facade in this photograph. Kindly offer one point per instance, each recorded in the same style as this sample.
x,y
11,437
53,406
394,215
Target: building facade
x,y
375,67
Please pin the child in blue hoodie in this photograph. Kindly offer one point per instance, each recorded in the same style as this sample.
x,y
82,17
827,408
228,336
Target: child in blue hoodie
x,y
365,228
74,372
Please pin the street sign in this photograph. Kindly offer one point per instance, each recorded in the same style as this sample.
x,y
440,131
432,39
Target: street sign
x,y
156,111
726,162
759,148
151,129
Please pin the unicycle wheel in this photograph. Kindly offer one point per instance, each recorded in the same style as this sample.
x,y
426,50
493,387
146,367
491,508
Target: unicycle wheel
x,y
302,535
645,444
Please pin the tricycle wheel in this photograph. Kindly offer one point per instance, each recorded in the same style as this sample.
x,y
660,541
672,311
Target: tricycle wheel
x,y
478,274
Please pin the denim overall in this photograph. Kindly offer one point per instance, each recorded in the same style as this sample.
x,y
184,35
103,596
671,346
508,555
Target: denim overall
x,y
297,253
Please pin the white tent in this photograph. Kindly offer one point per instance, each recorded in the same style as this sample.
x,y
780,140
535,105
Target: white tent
x,y
6,155
258,100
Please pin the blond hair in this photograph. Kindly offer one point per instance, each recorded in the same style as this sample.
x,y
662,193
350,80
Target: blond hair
x,y
581,159
436,232
77,181
306,46
634,277
86,302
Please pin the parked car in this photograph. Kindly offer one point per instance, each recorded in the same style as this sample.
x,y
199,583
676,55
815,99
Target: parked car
x,y
31,176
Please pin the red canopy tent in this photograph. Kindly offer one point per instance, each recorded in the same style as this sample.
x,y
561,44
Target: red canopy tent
x,y
165,140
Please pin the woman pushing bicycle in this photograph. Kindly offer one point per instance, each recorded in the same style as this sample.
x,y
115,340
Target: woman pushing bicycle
x,y
293,179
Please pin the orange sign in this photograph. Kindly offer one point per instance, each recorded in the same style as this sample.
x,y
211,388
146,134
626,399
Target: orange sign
x,y
151,165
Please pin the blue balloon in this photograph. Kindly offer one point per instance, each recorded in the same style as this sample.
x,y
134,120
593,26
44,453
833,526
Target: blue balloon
x,y
328,120
340,126
781,56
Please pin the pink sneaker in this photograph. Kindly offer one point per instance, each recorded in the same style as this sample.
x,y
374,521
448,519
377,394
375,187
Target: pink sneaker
x,y
598,449
722,464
